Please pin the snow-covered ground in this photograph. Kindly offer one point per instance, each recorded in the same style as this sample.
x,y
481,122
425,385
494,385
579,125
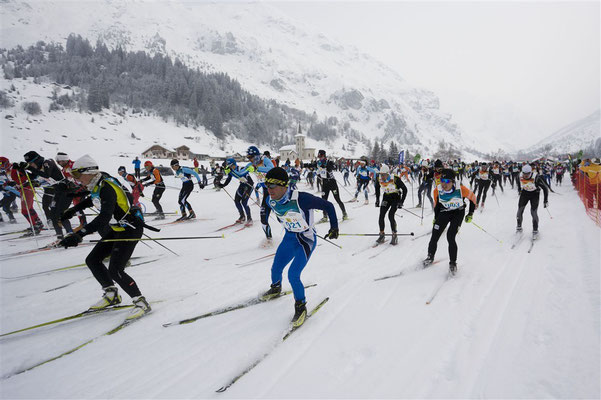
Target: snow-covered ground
x,y
509,325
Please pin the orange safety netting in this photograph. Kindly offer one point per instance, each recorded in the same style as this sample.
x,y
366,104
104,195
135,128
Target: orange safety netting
x,y
587,181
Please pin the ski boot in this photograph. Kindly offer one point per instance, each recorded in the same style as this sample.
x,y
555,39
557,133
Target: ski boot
x,y
518,229
366,202
344,216
453,267
381,239
159,217
428,261
377,204
300,313
141,307
353,200
323,220
419,205
109,298
240,220
12,221
394,240
266,243
273,292
183,217
249,222
192,215
535,234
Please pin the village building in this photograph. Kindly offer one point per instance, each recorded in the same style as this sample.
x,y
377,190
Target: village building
x,y
158,151
302,148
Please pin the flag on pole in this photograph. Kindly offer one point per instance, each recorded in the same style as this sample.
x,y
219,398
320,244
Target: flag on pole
x,y
401,156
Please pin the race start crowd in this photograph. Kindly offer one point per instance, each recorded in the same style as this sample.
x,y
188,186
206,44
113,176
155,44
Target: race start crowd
x,y
69,187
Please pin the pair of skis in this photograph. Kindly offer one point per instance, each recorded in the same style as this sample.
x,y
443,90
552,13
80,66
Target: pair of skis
x,y
518,240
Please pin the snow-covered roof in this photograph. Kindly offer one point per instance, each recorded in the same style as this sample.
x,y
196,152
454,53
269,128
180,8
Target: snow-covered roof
x,y
159,145
288,147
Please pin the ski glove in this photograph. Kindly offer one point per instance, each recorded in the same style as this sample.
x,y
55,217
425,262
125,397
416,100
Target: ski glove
x,y
545,204
71,240
200,185
468,218
332,233
68,214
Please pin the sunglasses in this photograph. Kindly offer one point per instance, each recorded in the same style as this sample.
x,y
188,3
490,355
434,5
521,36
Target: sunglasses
x,y
271,185
77,173
446,180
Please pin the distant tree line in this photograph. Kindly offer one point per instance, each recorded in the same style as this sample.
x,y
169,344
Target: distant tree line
x,y
166,87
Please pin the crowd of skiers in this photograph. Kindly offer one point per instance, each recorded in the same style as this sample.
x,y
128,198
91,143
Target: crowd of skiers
x,y
68,187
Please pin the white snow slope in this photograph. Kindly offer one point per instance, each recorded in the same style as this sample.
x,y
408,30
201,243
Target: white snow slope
x,y
269,54
574,137
511,324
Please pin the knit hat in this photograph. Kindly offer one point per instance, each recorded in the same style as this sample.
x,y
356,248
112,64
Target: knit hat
x,y
85,165
61,157
447,174
277,176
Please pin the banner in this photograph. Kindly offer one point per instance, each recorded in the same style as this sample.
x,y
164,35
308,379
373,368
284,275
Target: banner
x,y
401,156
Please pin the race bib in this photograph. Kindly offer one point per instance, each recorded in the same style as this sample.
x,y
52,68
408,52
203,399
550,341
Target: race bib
x,y
294,222
528,184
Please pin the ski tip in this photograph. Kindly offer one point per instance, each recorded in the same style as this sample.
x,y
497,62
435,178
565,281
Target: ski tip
x,y
221,389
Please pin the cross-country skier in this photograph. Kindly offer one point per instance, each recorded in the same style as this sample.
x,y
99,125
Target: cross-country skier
x,y
108,194
294,210
362,175
325,169
391,201
55,199
483,183
76,190
135,185
260,165
155,178
9,192
529,186
449,210
185,174
243,192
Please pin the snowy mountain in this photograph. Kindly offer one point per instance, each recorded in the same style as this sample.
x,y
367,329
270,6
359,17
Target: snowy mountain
x,y
573,137
268,53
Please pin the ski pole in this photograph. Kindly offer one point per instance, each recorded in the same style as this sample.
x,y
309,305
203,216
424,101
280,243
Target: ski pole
x,y
162,245
329,241
479,227
344,187
155,239
549,212
410,212
376,234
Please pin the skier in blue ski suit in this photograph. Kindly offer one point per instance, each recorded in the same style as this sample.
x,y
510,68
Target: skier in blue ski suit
x,y
185,174
294,210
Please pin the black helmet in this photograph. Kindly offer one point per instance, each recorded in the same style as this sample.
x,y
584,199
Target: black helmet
x,y
174,162
438,164
277,176
321,153
121,169
447,174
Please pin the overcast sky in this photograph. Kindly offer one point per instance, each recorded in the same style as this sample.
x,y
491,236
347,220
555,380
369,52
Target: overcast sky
x,y
512,68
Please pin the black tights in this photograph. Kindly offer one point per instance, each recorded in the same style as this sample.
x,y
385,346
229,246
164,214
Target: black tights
x,y
390,203
442,220
120,252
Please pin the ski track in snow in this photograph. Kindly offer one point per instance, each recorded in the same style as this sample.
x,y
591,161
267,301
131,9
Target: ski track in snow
x,y
509,325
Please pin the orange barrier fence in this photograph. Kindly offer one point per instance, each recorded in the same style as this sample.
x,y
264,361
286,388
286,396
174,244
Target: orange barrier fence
x,y
588,186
